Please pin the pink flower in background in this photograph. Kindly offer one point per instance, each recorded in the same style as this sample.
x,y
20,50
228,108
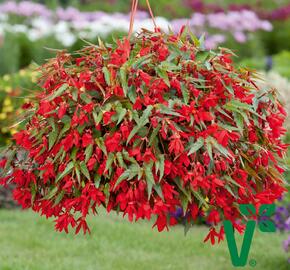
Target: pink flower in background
x,y
213,41
240,37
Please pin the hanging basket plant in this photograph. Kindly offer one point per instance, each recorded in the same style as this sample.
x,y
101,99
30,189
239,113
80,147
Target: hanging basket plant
x,y
146,126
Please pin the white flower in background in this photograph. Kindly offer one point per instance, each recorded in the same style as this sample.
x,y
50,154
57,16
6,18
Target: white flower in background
x,y
3,17
18,28
63,34
40,27
67,39
275,80
148,24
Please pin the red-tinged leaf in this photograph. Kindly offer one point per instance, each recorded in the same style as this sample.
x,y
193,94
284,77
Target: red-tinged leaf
x,y
58,92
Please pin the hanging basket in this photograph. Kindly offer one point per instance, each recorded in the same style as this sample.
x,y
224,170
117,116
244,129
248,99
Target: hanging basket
x,y
146,126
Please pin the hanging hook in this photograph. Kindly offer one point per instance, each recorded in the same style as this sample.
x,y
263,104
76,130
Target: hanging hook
x,y
132,18
151,13
133,14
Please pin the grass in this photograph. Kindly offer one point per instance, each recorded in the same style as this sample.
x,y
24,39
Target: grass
x,y
28,241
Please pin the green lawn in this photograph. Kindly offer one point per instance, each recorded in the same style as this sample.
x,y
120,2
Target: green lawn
x,y
28,241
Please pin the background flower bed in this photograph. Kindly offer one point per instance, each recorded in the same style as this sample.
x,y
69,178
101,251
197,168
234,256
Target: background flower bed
x,y
27,27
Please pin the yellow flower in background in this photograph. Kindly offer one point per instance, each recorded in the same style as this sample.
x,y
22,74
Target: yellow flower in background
x,y
34,79
6,77
8,89
8,109
3,116
13,131
5,130
7,102
22,72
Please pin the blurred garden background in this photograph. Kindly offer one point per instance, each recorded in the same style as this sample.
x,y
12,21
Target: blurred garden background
x,y
258,31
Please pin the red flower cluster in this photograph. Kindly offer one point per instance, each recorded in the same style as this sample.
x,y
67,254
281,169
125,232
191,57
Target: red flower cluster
x,y
147,127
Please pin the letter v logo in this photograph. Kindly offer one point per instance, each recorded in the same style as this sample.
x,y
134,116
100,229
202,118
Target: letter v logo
x,y
264,226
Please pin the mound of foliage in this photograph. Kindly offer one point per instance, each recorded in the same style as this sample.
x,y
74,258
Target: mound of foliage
x,y
144,127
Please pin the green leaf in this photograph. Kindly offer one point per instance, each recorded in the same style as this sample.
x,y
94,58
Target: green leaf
x,y
219,109
75,95
33,193
100,143
86,98
185,93
122,177
165,110
132,94
200,198
207,65
129,174
78,173
209,148
184,202
51,122
109,162
161,166
220,148
52,193
228,188
98,117
149,178
193,38
196,146
168,66
97,180
52,137
84,170
123,76
59,197
67,170
107,75
74,152
145,116
58,92
10,156
239,121
142,61
202,42
88,152
127,157
122,112
65,128
180,186
154,134
120,160
240,105
231,180
163,74
133,133
158,189
142,122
